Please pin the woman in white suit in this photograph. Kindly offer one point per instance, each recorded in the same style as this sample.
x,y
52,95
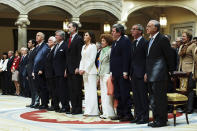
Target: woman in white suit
x,y
104,75
3,72
88,69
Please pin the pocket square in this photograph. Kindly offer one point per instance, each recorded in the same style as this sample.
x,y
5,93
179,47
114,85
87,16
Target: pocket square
x,y
61,50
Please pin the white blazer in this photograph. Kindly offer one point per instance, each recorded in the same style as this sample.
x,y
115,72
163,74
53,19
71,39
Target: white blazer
x,y
88,57
3,65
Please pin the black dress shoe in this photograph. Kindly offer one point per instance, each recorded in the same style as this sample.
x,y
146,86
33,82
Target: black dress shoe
x,y
151,123
29,105
50,108
158,124
43,107
142,121
76,113
64,110
116,118
36,106
190,111
126,118
135,120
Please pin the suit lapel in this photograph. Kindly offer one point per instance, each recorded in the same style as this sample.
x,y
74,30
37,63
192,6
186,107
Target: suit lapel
x,y
73,41
154,42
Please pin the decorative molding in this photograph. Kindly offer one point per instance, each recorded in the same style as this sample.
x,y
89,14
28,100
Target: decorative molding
x,y
24,2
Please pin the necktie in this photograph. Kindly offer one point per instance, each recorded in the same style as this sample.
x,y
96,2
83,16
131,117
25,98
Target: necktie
x,y
115,42
134,45
69,41
150,44
22,58
56,49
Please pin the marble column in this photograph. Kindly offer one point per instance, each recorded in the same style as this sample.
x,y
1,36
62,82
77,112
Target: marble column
x,y
22,23
76,20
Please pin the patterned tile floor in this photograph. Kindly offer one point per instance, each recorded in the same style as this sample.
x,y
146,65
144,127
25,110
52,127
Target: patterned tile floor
x,y
14,116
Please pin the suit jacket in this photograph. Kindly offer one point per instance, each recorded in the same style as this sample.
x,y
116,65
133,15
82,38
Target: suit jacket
x,y
59,60
120,56
160,59
23,66
195,65
48,68
138,59
40,58
186,62
30,63
9,64
74,54
87,62
104,63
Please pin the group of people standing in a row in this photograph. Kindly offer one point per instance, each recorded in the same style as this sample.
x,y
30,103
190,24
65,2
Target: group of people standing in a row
x,y
13,73
60,68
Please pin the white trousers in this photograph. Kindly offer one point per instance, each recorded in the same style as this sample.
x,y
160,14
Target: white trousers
x,y
91,100
106,100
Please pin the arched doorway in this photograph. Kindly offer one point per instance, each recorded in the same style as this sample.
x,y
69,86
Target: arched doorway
x,y
8,17
46,19
94,20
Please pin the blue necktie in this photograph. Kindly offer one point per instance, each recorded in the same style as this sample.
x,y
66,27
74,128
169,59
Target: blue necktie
x,y
150,44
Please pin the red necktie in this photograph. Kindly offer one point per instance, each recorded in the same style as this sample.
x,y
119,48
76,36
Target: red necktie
x,y
69,41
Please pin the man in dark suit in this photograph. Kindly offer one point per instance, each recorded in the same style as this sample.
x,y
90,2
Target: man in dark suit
x,y
119,68
74,46
137,71
23,73
38,68
10,84
59,67
49,74
30,63
159,64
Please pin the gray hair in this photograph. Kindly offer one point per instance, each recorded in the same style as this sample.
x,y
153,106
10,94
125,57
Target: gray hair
x,y
42,34
140,27
156,24
119,28
61,33
11,51
24,48
52,38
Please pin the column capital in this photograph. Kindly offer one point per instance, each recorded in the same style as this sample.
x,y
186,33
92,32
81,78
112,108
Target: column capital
x,y
22,21
76,20
122,23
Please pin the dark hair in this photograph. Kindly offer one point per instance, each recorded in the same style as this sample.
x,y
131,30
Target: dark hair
x,y
108,38
33,42
92,36
5,54
119,28
189,35
74,24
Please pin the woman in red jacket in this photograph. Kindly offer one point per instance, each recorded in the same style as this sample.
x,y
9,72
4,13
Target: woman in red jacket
x,y
15,72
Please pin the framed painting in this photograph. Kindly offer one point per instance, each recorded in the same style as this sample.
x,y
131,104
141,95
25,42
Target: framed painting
x,y
176,30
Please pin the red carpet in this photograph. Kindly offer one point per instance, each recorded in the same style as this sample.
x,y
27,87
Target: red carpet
x,y
34,116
